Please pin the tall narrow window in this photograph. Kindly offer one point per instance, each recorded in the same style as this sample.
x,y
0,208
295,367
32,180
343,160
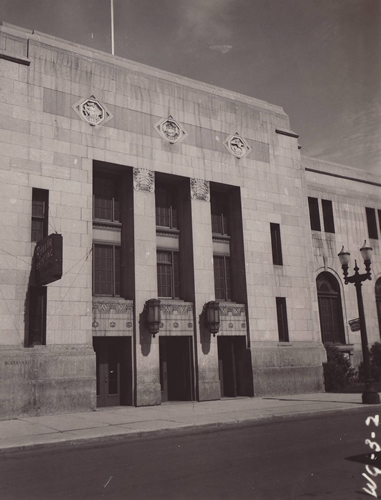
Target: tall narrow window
x,y
222,277
219,210
329,225
37,315
106,198
168,280
40,207
371,221
166,211
281,311
313,206
106,279
276,244
107,224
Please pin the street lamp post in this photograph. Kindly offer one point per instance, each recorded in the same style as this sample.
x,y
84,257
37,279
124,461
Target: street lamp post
x,y
370,395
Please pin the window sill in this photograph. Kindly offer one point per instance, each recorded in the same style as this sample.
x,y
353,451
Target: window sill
x,y
343,347
219,236
105,222
108,297
172,299
164,229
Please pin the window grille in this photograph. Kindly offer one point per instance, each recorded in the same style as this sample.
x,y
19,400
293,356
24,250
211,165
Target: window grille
x,y
222,282
168,280
106,278
40,207
219,212
166,211
106,198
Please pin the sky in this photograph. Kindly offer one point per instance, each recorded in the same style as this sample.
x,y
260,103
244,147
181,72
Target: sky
x,y
318,59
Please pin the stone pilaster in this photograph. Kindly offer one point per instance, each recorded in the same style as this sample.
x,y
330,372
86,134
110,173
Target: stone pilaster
x,y
208,387
147,371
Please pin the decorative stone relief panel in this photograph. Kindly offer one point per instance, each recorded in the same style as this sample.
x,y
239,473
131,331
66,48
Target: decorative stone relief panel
x,y
92,111
237,145
144,180
170,130
200,189
176,318
233,319
235,310
112,316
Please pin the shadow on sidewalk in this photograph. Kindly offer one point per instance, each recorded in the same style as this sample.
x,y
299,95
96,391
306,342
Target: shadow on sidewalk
x,y
314,400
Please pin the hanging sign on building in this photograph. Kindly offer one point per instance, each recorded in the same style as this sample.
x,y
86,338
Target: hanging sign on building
x,y
354,324
48,260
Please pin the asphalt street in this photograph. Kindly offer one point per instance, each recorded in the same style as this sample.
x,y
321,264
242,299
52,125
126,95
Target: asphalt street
x,y
320,457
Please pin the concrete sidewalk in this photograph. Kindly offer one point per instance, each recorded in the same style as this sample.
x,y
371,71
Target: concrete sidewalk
x,y
107,424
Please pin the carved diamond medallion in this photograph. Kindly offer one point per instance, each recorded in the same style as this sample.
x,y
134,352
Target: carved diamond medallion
x,y
170,130
237,145
92,111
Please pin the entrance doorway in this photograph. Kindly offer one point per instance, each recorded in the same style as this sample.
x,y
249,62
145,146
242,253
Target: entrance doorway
x,y
234,364
114,370
330,309
176,368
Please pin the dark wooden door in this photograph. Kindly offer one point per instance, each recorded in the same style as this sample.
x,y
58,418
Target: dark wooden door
x,y
108,361
163,369
330,310
234,364
331,328
176,369
227,366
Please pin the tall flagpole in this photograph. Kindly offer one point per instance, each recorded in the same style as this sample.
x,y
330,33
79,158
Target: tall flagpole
x,y
112,28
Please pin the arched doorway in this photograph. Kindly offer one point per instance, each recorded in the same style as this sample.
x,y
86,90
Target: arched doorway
x,y
378,302
330,310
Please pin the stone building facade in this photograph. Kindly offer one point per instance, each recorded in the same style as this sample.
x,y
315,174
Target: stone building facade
x,y
169,189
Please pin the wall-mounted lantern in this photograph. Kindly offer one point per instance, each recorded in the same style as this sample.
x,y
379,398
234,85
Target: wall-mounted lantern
x,y
153,313
212,310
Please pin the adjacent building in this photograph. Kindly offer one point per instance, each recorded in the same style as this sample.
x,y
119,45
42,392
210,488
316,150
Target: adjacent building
x,y
163,239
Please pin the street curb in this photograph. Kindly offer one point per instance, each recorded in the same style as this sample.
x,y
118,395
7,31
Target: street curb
x,y
182,430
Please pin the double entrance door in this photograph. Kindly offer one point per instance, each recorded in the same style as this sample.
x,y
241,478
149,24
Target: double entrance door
x,y
234,364
114,376
176,368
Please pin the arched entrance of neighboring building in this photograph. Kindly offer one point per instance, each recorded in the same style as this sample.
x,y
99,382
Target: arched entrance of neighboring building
x,y
330,310
378,302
